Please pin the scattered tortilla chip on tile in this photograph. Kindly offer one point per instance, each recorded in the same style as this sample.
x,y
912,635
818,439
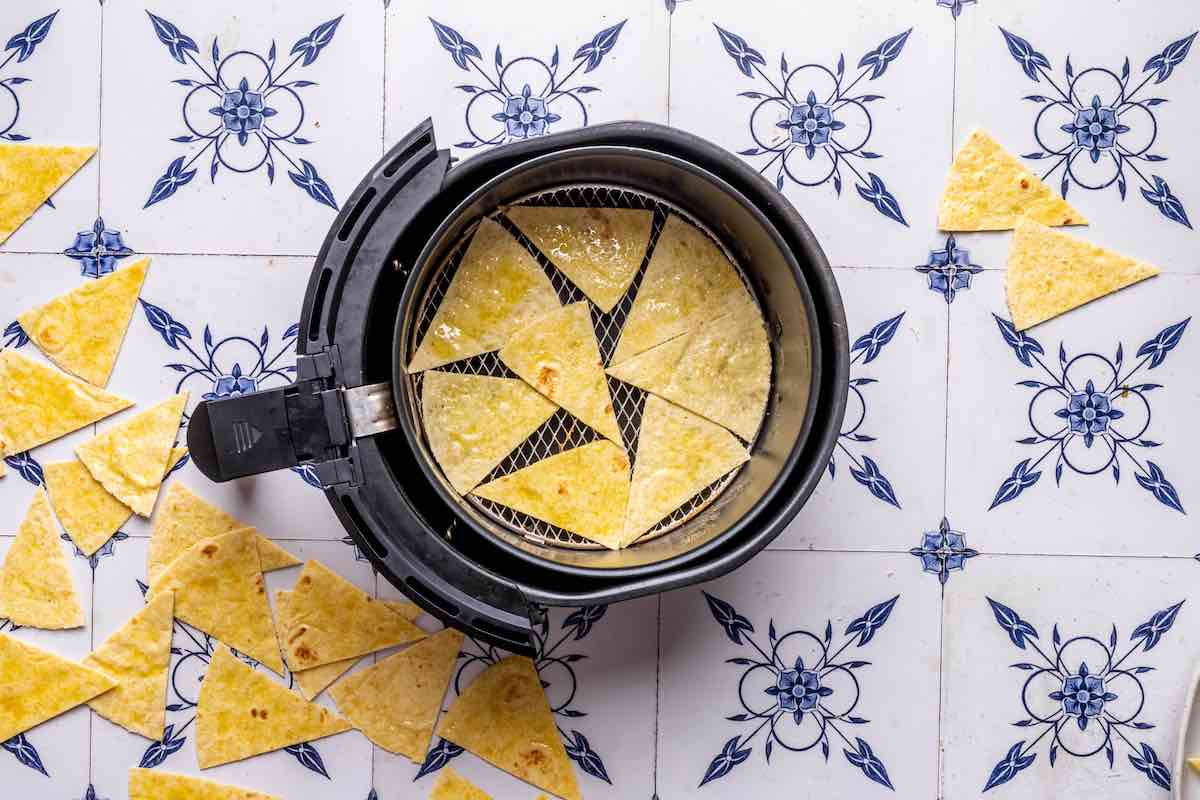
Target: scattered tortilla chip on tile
x,y
497,289
242,713
679,454
330,619
1051,272
988,189
88,513
153,784
557,354
452,786
36,685
583,490
396,701
137,657
82,330
185,518
29,175
39,403
474,421
219,589
177,455
36,589
688,282
503,717
598,249
652,370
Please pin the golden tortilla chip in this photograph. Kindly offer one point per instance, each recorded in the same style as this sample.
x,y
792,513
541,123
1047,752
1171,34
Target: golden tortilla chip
x,y
29,175
82,330
177,454
36,685
242,713
988,189
474,421
688,282
151,784
598,249
497,290
219,589
583,490
86,510
504,718
185,518
558,356
38,403
396,702
678,455
1050,273
330,619
452,786
137,657
36,589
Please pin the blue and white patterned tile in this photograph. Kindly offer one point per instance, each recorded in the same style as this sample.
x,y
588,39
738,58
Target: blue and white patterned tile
x,y
1075,436
252,123
1042,78
818,665
491,73
886,477
845,107
1065,683
49,94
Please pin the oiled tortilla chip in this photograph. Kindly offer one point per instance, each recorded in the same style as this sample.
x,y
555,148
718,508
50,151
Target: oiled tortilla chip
x,y
86,510
36,685
1051,272
29,175
153,784
583,490
137,657
503,717
36,589
452,786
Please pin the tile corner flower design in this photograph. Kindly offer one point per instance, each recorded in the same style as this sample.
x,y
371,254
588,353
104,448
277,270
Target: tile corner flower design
x,y
21,47
98,250
949,270
943,551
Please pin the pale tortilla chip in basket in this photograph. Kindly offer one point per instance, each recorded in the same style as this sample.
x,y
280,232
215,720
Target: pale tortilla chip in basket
x,y
29,175
452,786
36,685
36,589
153,784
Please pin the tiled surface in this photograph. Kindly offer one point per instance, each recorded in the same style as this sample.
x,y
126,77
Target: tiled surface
x,y
952,416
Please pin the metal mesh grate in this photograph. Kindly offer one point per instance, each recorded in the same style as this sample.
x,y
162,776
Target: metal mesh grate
x,y
563,431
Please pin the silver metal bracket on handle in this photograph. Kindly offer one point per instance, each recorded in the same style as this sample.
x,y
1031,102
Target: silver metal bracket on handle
x,y
370,409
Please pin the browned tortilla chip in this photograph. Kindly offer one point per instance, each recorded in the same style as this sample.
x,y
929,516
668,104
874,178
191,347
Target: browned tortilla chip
x,y
153,784
29,175
137,657
36,589
36,685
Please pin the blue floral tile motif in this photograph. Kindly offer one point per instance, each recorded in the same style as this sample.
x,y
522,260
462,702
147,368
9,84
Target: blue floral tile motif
x,y
1090,415
1098,127
523,97
97,250
19,746
554,667
863,468
956,6
90,794
798,691
27,467
20,46
1082,697
242,111
809,123
949,270
943,551
105,550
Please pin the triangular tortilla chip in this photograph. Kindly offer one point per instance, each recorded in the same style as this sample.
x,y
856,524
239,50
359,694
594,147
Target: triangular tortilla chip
x,y
652,370
137,657
82,330
395,702
185,518
452,786
503,717
598,249
152,784
177,453
583,490
36,589
219,589
474,421
130,459
988,189
558,355
86,510
38,403
688,282
36,685
29,175
678,455
242,713
497,290
1050,273
330,619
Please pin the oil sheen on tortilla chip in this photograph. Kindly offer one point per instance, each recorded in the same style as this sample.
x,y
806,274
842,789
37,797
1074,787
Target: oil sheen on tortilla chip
x,y
503,717
153,784
36,589
452,786
88,513
29,175
36,685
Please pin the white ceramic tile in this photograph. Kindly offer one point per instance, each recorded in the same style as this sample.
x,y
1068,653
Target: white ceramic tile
x,y
1150,446
1121,617
866,624
1026,110
462,63
885,483
741,72
277,191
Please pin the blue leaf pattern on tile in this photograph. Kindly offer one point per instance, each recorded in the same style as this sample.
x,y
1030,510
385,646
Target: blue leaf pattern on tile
x,y
1148,764
729,757
14,336
865,759
24,751
955,6
27,467
104,551
887,52
160,751
866,626
1150,632
735,624
24,43
580,751
308,757
20,46
439,756
1019,631
309,47
1008,767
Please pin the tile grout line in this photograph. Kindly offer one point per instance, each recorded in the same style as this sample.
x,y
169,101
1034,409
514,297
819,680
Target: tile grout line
x,y
100,115
657,696
383,86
